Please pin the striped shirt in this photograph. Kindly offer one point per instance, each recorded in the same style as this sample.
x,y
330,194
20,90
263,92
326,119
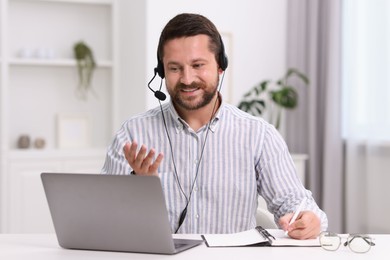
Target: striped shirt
x,y
243,157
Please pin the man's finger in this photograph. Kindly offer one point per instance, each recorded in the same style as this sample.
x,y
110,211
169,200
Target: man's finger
x,y
148,160
156,164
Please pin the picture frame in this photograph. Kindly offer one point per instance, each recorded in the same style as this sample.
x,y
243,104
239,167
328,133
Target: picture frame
x,y
227,88
72,131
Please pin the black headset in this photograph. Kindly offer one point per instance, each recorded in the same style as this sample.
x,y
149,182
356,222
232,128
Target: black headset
x,y
222,61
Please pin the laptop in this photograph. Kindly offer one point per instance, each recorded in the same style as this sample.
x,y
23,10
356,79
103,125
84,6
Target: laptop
x,y
111,213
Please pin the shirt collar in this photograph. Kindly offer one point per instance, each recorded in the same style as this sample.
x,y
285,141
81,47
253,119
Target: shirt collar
x,y
180,124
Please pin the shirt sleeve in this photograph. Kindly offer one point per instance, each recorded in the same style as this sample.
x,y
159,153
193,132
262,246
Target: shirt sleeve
x,y
278,182
115,162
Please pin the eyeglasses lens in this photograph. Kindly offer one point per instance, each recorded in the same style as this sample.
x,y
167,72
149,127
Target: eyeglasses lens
x,y
359,243
330,241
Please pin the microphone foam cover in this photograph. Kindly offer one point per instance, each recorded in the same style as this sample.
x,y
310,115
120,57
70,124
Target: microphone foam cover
x,y
160,95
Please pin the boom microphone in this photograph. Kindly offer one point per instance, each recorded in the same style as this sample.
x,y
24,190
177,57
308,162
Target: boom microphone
x,y
158,93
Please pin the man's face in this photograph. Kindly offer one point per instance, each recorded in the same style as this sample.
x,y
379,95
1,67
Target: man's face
x,y
191,71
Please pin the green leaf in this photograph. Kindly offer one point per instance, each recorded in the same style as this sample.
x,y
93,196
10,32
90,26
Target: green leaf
x,y
253,107
300,75
264,85
286,97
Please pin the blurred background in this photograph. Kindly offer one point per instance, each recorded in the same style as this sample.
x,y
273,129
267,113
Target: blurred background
x,y
52,118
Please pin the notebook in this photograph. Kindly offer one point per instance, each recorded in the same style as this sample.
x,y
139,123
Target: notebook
x,y
256,237
111,213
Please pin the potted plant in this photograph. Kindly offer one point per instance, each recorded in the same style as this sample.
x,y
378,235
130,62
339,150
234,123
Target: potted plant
x,y
86,66
274,96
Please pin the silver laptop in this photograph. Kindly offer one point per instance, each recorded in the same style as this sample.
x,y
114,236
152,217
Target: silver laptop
x,y
111,213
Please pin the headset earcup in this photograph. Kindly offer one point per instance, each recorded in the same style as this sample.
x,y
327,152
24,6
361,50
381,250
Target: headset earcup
x,y
223,59
160,69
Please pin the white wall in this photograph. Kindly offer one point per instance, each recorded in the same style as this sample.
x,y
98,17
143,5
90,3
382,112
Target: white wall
x,y
258,29
131,55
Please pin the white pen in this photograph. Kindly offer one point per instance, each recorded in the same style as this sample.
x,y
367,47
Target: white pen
x,y
297,211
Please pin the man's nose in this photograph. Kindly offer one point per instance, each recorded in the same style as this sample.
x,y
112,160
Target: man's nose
x,y
187,76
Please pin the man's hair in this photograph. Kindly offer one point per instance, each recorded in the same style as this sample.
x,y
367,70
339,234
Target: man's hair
x,y
186,25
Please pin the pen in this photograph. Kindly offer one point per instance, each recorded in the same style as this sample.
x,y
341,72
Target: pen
x,y
297,211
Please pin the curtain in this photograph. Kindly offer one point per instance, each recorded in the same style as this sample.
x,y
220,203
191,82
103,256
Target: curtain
x,y
366,114
314,128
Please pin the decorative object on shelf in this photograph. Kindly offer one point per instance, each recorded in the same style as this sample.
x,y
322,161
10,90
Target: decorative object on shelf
x,y
274,95
86,66
25,53
72,131
39,143
24,142
39,53
44,53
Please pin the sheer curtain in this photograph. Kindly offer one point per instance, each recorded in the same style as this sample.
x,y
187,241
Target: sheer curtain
x,y
314,128
366,114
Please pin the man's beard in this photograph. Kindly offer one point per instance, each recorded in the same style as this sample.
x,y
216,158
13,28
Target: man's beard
x,y
207,96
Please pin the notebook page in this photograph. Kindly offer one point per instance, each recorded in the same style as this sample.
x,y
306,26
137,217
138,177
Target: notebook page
x,y
281,239
244,238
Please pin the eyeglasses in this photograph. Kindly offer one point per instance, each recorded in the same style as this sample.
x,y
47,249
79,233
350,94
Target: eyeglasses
x,y
358,243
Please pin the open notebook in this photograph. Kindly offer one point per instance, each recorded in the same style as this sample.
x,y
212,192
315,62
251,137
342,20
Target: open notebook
x,y
256,237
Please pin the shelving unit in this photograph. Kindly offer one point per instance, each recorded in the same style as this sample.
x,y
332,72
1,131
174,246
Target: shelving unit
x,y
37,26
38,83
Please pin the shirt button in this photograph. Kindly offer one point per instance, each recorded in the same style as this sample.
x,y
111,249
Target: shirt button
x,y
195,161
197,216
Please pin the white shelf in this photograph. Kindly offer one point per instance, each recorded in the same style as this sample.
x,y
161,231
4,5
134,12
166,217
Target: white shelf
x,y
92,2
54,62
20,154
299,156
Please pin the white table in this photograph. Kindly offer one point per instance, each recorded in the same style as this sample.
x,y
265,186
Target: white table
x,y
45,247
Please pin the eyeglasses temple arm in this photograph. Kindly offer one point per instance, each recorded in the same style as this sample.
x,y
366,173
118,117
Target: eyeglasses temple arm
x,y
364,238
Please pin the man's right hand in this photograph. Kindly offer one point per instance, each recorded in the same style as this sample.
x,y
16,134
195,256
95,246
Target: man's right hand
x,y
142,163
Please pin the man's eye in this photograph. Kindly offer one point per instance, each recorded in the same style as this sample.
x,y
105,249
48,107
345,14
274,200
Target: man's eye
x,y
198,65
173,69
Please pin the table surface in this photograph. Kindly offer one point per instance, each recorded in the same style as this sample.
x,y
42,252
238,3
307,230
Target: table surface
x,y
45,246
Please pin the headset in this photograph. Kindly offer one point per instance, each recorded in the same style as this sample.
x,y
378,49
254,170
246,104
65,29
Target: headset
x,y
222,61
159,70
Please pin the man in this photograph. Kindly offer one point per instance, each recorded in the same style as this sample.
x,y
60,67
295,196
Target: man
x,y
212,158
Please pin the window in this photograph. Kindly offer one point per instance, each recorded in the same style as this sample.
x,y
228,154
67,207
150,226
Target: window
x,y
366,69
